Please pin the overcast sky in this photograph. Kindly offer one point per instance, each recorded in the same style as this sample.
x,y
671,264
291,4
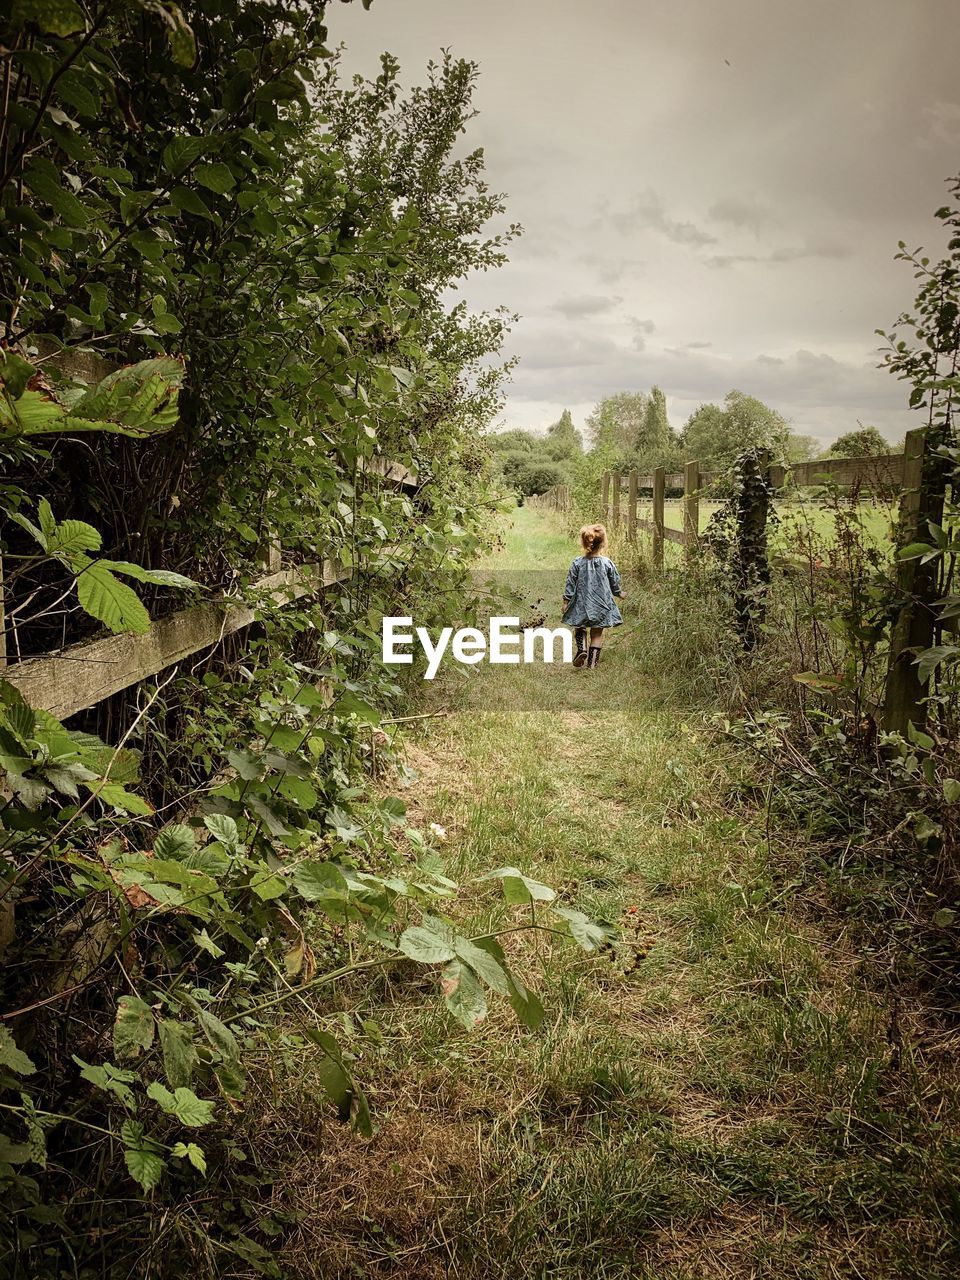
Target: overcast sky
x,y
712,191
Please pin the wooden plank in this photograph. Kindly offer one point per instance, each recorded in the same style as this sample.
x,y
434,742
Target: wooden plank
x,y
394,472
632,507
691,508
670,535
616,499
605,496
673,480
659,476
913,628
885,471
84,674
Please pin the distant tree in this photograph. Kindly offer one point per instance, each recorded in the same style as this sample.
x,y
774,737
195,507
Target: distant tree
x,y
512,464
634,428
865,443
715,436
508,441
539,476
801,448
563,438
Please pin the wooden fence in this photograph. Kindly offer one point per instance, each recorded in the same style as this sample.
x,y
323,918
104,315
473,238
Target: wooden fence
x,y
920,502
83,674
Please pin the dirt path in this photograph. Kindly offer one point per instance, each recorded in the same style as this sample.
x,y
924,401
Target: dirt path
x,y
716,1098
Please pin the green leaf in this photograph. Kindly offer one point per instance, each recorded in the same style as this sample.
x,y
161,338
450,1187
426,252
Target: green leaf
x,y
182,1103
159,577
55,17
914,551
118,797
224,829
133,1028
588,935
483,964
11,1057
463,994
182,152
72,536
179,1052
220,1036
110,601
934,657
944,918
145,1167
518,888
215,177
318,880
951,790
175,841
425,946
191,1152
187,201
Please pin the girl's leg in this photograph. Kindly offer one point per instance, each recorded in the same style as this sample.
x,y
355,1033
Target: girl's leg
x,y
580,634
596,645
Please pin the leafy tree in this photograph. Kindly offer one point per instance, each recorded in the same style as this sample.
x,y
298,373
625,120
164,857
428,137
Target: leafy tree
x,y
716,436
867,442
633,427
563,438
513,441
539,476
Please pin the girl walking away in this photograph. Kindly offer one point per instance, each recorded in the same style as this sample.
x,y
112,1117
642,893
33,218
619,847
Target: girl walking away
x,y
588,603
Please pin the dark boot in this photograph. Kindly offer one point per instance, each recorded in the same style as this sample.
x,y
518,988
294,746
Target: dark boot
x,y
580,635
594,658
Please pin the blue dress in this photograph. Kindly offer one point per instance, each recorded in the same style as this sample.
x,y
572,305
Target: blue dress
x,y
592,583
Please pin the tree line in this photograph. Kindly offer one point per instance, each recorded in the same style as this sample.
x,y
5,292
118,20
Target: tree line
x,y
631,429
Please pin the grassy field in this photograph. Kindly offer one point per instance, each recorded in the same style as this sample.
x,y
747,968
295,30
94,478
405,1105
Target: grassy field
x,y
803,518
720,1096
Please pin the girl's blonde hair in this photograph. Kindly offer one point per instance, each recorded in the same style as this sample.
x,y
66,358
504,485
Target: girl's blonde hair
x,y
593,539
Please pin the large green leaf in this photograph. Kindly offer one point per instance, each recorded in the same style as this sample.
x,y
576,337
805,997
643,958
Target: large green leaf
x,y
145,1167
463,993
179,1052
56,17
182,1103
425,946
519,888
11,1057
133,1028
111,601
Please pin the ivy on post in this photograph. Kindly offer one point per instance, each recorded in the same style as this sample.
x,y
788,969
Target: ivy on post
x,y
632,506
605,496
659,484
750,561
921,502
691,509
616,499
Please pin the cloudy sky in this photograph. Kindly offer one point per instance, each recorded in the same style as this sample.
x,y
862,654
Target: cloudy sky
x,y
712,191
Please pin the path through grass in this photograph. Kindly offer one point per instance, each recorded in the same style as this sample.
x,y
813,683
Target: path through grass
x,y
723,1096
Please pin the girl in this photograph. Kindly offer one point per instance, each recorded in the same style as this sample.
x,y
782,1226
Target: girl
x,y
588,600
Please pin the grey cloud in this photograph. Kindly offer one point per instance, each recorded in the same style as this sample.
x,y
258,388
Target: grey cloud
x,y
647,211
786,253
585,304
743,214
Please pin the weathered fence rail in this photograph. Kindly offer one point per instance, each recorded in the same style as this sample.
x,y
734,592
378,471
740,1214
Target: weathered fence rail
x,y
81,675
915,621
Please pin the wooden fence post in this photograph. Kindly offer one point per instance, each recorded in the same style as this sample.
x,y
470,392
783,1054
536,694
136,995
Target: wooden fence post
x,y
3,628
691,508
616,499
913,628
632,507
605,497
659,484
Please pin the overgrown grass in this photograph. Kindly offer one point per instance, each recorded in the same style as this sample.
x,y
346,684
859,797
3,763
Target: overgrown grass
x,y
723,1094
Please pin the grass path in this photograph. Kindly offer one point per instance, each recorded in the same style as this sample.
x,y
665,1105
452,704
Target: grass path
x,y
720,1097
